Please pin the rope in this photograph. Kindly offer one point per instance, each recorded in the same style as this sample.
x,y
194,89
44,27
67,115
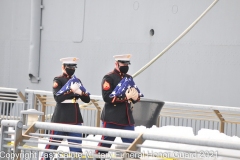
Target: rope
x,y
175,41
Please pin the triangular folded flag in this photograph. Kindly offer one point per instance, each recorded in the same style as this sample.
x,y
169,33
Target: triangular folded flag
x,y
132,84
66,87
122,86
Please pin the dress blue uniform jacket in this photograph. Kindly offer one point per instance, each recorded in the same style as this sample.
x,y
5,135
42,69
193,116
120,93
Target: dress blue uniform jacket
x,y
116,110
68,113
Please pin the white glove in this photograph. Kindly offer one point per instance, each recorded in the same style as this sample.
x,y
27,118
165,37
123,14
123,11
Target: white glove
x,y
134,94
129,93
78,91
74,87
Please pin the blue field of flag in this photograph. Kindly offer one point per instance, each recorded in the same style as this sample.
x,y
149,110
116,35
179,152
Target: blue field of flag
x,y
122,86
66,87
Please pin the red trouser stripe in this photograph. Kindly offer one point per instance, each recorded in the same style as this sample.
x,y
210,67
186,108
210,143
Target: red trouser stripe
x,y
99,144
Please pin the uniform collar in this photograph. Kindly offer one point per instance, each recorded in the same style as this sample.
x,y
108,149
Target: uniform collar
x,y
119,73
65,75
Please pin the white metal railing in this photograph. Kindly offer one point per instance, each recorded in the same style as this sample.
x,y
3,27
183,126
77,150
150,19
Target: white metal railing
x,y
222,115
91,111
22,143
44,101
224,118
12,102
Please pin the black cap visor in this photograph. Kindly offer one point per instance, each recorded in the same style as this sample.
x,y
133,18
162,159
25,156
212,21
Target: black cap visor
x,y
124,62
72,66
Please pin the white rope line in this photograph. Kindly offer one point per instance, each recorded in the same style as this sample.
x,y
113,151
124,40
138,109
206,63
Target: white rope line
x,y
175,41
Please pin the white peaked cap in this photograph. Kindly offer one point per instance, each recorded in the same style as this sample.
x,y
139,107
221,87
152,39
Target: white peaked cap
x,y
124,57
69,60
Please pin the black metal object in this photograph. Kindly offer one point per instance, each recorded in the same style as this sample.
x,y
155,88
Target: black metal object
x,y
146,112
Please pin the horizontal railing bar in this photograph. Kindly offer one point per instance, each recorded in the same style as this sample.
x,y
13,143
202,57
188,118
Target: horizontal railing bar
x,y
182,109
192,140
8,139
201,106
226,121
93,97
189,114
85,129
133,135
225,113
216,152
11,123
74,146
9,97
7,146
11,94
8,132
40,92
89,155
12,102
193,118
10,117
78,138
14,90
228,117
221,113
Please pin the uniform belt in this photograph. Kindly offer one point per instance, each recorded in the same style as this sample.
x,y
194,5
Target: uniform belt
x,y
70,101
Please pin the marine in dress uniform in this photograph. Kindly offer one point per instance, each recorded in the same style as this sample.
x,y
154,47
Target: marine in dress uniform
x,y
67,110
117,112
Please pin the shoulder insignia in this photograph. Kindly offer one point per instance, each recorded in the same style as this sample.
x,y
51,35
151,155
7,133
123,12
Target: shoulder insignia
x,y
55,84
106,86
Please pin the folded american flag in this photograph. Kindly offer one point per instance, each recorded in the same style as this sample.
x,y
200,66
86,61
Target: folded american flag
x,y
122,86
66,87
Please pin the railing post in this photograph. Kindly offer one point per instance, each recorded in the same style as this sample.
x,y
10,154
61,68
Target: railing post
x,y
98,117
43,103
44,106
23,98
158,121
5,124
18,137
221,123
98,112
35,102
3,136
133,147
